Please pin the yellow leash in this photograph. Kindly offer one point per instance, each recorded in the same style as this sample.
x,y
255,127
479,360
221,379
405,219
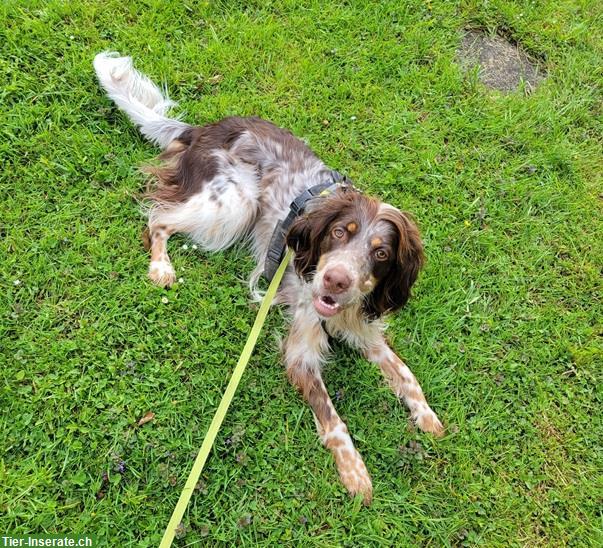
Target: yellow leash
x,y
214,427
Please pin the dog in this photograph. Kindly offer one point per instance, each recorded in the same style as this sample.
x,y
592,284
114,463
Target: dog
x,y
355,257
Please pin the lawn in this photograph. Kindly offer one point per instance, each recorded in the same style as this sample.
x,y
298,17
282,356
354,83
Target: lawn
x,y
503,331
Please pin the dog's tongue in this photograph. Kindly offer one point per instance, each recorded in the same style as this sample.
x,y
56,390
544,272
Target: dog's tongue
x,y
326,306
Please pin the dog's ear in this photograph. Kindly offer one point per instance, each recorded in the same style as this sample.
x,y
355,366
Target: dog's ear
x,y
393,290
299,239
307,235
305,243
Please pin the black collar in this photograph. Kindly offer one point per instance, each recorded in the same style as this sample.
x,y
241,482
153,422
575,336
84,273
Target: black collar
x,y
276,250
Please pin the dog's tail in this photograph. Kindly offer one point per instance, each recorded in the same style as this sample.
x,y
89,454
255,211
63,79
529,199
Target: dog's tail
x,y
138,97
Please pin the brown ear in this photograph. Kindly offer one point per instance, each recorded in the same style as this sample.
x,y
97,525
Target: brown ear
x,y
307,233
393,291
304,245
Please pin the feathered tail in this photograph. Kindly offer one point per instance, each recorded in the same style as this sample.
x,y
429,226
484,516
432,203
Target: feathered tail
x,y
139,98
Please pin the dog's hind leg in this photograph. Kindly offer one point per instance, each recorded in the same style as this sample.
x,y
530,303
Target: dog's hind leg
x,y
161,271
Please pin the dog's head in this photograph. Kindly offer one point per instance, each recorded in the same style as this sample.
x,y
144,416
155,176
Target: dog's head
x,y
355,249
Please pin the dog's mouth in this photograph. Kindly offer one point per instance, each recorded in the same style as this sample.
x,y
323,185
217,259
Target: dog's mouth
x,y
326,306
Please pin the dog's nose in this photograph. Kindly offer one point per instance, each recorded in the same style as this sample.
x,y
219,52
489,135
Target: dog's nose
x,y
336,280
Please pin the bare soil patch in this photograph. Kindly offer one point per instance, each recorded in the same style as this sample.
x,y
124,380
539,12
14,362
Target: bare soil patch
x,y
502,65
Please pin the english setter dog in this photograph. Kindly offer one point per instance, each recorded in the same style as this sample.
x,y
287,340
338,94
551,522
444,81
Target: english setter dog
x,y
355,257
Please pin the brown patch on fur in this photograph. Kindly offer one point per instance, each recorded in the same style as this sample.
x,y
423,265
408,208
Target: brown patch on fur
x,y
334,443
146,239
270,179
402,380
188,163
345,455
389,369
352,227
159,236
376,242
175,146
415,395
313,391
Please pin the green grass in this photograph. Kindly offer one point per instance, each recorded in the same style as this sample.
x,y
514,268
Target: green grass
x,y
502,331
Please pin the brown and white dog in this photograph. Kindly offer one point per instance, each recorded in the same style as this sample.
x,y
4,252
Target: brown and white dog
x,y
355,260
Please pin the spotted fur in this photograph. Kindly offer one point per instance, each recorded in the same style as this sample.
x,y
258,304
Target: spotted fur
x,y
356,258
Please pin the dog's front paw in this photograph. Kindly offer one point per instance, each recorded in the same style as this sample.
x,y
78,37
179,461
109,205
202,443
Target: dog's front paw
x,y
354,475
162,273
429,422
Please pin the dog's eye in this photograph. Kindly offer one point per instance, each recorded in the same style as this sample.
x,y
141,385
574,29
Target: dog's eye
x,y
338,233
381,255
